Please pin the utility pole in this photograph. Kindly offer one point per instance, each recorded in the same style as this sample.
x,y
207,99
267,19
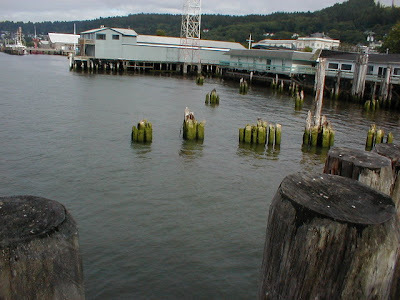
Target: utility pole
x,y
250,41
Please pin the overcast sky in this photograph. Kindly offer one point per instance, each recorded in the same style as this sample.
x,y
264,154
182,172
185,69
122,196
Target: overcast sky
x,y
68,10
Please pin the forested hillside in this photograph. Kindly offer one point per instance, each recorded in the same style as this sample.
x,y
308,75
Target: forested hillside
x,y
348,21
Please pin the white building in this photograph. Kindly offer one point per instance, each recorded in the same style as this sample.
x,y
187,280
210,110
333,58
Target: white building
x,y
300,43
126,45
63,41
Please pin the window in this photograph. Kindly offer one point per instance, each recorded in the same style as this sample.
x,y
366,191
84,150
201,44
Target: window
x,y
382,71
100,36
333,66
396,71
115,37
370,70
346,67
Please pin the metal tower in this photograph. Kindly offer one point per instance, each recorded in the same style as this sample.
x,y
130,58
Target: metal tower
x,y
190,30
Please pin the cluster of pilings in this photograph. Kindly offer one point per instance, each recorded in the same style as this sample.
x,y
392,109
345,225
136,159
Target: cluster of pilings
x,y
200,80
318,135
261,133
297,94
243,86
143,132
377,136
192,130
371,105
318,131
278,85
212,98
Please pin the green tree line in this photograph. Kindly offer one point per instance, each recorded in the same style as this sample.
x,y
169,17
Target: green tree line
x,y
348,21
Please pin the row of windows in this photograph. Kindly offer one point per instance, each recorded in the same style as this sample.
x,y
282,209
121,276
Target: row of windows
x,y
370,71
335,66
102,36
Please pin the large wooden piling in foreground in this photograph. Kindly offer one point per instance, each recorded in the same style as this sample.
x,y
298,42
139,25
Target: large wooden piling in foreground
x,y
329,237
39,257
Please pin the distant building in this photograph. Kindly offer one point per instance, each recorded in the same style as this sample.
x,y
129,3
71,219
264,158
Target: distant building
x,y
315,41
62,41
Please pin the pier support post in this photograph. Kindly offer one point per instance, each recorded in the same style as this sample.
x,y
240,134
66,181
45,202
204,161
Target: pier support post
x,y
39,257
329,237
320,81
185,68
384,91
360,74
337,85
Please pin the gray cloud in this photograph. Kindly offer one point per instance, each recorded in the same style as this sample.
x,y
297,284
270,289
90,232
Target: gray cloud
x,y
53,10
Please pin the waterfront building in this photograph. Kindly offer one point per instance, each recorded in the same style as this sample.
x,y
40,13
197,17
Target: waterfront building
x,y
314,42
287,62
63,42
131,49
378,65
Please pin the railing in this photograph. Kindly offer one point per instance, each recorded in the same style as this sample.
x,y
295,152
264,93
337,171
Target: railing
x,y
259,67
289,70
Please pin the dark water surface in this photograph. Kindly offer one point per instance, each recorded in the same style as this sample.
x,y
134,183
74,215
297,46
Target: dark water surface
x,y
170,220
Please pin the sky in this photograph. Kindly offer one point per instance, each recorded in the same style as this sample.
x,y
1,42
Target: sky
x,y
70,10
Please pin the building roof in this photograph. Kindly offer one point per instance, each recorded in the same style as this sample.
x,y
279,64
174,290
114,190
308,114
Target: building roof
x,y
175,41
123,31
63,38
282,54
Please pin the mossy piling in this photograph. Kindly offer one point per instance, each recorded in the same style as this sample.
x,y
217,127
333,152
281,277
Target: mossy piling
x,y
243,86
142,133
377,136
212,98
192,130
261,133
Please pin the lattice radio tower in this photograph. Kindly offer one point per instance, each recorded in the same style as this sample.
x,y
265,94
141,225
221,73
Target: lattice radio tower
x,y
190,30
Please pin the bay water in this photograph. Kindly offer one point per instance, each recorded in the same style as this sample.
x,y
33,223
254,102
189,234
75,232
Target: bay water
x,y
167,220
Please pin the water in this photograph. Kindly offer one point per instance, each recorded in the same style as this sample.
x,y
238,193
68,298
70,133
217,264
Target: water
x,y
172,219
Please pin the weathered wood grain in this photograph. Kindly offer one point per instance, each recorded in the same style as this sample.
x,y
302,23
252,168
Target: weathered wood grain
x,y
39,250
329,237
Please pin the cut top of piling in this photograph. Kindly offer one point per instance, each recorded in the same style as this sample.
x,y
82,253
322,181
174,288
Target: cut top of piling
x,y
360,158
390,151
23,218
339,198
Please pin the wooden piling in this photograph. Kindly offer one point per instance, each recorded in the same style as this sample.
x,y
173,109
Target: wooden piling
x,y
241,135
261,135
367,167
39,249
337,84
192,130
328,237
360,74
212,98
271,134
200,80
243,86
392,152
143,132
278,134
247,134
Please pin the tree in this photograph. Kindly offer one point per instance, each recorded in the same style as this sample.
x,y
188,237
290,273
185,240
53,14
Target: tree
x,y
392,40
